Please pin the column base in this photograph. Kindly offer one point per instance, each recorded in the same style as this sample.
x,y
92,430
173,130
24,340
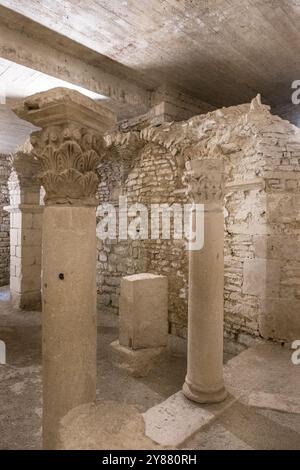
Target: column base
x,y
137,362
194,394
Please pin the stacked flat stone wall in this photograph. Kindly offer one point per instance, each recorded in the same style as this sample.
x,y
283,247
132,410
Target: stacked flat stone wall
x,y
152,179
262,250
262,225
4,221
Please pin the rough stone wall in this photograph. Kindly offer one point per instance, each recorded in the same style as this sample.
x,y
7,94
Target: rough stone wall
x,y
262,234
114,258
152,178
262,222
279,252
4,221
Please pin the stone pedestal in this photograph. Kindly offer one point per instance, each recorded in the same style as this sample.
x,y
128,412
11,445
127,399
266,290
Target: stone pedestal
x,y
143,324
137,362
143,311
68,149
25,233
204,380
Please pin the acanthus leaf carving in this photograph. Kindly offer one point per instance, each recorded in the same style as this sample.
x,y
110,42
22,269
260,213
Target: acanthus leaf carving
x,y
69,161
204,179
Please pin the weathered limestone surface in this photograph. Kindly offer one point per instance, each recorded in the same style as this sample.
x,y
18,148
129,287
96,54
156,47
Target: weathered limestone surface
x,y
143,311
261,154
25,232
141,168
137,362
167,104
204,380
143,324
66,148
69,316
173,421
4,220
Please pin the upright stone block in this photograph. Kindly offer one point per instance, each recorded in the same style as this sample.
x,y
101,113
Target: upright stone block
x,y
143,311
143,332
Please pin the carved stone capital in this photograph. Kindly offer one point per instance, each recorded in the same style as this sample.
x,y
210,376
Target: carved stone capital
x,y
205,180
68,145
23,184
68,157
24,168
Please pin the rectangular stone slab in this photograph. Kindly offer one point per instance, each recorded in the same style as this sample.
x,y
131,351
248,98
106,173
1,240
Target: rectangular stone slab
x,y
175,420
143,311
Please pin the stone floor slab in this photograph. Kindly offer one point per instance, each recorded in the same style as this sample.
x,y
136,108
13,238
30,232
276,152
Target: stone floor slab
x,y
216,437
263,368
176,419
274,401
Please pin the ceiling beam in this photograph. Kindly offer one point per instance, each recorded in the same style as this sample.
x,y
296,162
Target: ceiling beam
x,y
28,43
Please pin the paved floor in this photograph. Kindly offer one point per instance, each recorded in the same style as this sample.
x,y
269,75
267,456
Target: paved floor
x,y
262,411
20,379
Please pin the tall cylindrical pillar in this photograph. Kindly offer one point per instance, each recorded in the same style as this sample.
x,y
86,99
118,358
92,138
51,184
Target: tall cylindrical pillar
x,y
204,380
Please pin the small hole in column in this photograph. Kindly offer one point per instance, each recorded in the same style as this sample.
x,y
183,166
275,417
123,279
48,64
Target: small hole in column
x,y
61,276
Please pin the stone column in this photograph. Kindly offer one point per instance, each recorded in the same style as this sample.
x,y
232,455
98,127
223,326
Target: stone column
x,y
67,148
204,380
25,232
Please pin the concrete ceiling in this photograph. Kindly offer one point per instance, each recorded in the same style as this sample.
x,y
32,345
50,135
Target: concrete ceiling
x,y
222,51
13,131
16,82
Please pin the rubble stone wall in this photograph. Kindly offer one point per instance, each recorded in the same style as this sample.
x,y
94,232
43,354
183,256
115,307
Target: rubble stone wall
x,y
262,221
4,221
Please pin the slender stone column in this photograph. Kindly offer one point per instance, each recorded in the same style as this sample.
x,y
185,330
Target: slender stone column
x,y
25,232
204,380
68,149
